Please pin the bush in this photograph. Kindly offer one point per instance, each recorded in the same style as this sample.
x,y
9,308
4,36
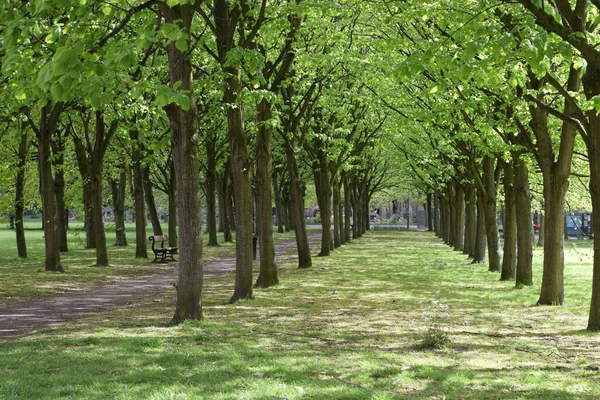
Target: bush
x,y
435,337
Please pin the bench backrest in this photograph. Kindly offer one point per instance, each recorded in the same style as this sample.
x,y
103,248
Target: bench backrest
x,y
160,238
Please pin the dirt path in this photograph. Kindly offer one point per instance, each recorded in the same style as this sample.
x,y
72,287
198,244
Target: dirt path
x,y
28,315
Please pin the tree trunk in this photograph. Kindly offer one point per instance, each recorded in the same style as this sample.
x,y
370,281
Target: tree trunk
x,y
552,292
592,90
355,211
470,221
173,208
49,120
279,212
540,242
19,194
58,149
489,205
367,210
231,212
184,125
429,212
509,226
459,221
211,182
85,172
347,209
98,217
593,145
340,211
241,170
290,219
442,217
223,195
96,164
448,217
150,203
524,275
323,188
408,214
336,211
480,237
263,179
141,250
436,216
118,195
594,161
297,208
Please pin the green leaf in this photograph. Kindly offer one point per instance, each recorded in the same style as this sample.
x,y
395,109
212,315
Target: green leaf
x,y
163,96
181,43
183,101
57,91
470,51
11,62
127,59
99,69
44,77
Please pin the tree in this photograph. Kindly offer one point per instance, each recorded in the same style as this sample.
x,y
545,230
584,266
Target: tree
x,y
183,120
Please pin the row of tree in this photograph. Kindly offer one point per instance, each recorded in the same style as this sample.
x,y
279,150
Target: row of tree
x,y
496,91
187,98
471,103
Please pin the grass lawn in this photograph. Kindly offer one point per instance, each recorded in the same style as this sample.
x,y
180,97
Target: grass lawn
x,y
24,278
351,327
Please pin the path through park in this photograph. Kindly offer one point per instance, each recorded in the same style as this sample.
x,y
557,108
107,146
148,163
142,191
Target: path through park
x,y
28,315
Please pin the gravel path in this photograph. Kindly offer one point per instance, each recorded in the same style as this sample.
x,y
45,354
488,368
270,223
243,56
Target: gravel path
x,y
28,315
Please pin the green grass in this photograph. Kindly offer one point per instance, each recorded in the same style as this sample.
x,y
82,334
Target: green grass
x,y
26,278
350,327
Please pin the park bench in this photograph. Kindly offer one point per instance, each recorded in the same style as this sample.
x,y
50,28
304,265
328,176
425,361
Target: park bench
x,y
160,251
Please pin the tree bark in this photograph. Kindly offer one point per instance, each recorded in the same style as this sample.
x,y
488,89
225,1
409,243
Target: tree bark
x,y
151,203
429,212
442,217
323,188
264,176
480,237
459,221
297,208
279,212
172,227
223,195
509,226
591,84
96,164
19,194
241,170
211,182
85,172
58,149
470,221
524,274
184,124
540,242
347,209
436,216
336,211
49,120
141,249
489,193
118,195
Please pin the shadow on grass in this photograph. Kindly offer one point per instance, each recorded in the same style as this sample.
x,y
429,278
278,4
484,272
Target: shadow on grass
x,y
199,365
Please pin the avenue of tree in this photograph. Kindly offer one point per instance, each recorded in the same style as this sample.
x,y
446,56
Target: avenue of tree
x,y
477,108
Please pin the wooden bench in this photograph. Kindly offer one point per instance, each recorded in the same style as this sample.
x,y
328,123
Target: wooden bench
x,y
160,251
